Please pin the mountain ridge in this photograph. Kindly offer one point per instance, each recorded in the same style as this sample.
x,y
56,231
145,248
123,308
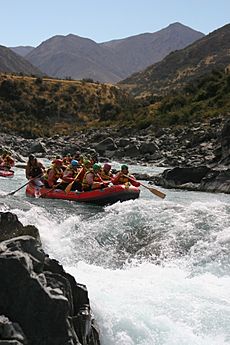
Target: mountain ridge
x,y
109,61
10,62
180,67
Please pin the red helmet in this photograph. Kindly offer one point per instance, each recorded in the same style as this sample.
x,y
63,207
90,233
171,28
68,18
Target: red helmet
x,y
57,162
107,166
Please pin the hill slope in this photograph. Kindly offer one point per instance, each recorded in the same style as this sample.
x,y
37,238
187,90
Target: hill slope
x,y
180,67
39,107
79,57
11,62
137,52
75,57
22,50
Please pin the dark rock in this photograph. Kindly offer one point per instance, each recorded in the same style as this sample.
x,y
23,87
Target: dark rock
x,y
148,148
37,294
225,142
11,333
122,142
106,144
216,181
183,175
10,227
196,178
37,147
71,149
132,151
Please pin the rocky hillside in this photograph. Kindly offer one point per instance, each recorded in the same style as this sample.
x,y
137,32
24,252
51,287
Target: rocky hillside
x,y
78,57
180,67
11,62
40,107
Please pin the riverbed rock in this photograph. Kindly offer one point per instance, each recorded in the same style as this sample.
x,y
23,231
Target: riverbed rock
x,y
198,144
45,302
10,227
11,333
196,178
225,143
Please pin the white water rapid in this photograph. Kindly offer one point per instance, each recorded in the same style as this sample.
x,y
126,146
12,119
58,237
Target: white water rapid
x,y
157,271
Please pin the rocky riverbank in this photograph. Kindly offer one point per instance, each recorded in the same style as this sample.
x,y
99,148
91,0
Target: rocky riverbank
x,y
39,302
201,144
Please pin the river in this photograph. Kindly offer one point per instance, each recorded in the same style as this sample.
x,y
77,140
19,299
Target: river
x,y
157,271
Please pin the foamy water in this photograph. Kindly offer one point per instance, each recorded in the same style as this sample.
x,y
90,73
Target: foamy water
x,y
157,271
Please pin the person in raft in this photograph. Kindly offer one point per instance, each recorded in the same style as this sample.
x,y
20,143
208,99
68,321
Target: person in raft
x,y
92,179
53,174
35,170
105,173
123,177
7,162
71,174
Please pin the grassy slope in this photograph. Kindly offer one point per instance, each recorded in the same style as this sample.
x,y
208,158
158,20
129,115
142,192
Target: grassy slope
x,y
40,107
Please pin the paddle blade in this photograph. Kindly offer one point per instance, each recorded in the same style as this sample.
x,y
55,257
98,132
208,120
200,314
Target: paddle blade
x,y
157,192
11,193
68,188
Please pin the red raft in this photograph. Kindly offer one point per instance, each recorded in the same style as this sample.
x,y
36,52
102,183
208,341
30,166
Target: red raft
x,y
6,173
108,195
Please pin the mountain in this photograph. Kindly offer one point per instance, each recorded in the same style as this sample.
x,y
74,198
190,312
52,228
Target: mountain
x,y
22,50
78,57
137,52
183,66
75,57
11,62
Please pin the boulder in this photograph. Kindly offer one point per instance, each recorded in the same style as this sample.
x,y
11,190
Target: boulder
x,y
122,142
132,151
37,147
107,144
45,303
11,333
10,227
148,148
183,175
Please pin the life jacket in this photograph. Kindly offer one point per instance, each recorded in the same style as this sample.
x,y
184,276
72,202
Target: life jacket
x,y
122,180
35,171
57,173
69,174
96,178
8,162
105,176
71,169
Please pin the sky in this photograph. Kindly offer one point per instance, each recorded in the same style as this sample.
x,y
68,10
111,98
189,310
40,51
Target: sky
x,y
30,22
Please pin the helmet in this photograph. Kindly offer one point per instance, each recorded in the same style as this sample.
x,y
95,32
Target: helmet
x,y
86,162
96,166
31,157
74,162
107,166
124,166
57,162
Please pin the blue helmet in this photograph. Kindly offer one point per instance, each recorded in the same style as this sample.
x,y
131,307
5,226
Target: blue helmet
x,y
74,163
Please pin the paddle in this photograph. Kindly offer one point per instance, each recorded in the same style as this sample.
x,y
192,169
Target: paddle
x,y
13,192
68,188
151,189
50,190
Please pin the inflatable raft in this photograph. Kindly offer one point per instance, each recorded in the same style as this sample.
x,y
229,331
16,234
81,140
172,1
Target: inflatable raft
x,y
6,173
104,196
